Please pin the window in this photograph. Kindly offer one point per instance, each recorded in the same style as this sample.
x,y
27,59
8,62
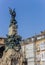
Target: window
x,y
42,46
42,56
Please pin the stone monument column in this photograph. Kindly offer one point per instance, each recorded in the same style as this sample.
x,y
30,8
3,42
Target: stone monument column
x,y
12,54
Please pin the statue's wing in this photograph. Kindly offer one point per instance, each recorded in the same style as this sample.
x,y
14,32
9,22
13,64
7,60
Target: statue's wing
x,y
10,10
14,13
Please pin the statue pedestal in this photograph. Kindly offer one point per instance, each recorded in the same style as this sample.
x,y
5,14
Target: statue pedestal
x,y
11,57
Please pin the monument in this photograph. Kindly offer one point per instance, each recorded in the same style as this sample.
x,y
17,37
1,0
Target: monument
x,y
12,54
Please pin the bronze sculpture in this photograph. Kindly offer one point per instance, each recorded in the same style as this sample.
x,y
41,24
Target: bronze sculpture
x,y
12,13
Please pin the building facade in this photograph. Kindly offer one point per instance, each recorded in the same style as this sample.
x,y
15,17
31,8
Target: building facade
x,y
34,49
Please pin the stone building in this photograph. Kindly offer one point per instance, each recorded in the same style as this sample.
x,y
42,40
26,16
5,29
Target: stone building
x,y
33,48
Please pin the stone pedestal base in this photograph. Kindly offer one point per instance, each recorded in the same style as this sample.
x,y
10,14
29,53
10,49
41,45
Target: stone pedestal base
x,y
11,57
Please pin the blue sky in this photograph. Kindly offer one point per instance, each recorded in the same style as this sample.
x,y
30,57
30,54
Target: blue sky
x,y
30,16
